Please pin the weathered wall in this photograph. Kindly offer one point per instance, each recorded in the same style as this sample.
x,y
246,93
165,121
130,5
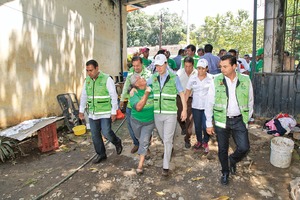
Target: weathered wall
x,y
44,45
274,35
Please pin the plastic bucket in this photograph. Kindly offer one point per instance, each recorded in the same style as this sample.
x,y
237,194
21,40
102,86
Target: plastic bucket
x,y
281,152
79,130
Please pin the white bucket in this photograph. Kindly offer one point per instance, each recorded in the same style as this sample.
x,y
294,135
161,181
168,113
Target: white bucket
x,y
281,152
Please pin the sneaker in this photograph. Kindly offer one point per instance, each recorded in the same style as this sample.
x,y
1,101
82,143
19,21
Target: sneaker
x,y
134,149
197,145
205,146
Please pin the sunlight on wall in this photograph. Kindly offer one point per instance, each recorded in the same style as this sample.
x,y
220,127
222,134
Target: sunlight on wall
x,y
14,23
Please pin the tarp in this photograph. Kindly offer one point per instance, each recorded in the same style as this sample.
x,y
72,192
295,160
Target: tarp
x,y
28,128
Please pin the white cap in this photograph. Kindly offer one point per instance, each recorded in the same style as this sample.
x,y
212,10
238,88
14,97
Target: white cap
x,y
202,63
160,59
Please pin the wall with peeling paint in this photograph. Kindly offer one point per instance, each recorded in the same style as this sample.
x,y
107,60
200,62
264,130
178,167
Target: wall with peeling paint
x,y
44,45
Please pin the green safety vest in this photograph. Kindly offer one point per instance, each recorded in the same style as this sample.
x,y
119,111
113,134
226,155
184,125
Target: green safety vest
x,y
221,98
196,59
98,98
165,98
145,74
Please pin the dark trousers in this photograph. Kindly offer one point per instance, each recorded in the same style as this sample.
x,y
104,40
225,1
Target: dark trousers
x,y
237,128
200,125
102,125
187,125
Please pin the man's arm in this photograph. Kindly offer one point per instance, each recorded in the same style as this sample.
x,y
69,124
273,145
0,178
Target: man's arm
x,y
251,99
113,96
124,94
83,100
209,108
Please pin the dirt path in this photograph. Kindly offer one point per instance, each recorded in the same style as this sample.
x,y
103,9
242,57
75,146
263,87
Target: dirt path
x,y
194,175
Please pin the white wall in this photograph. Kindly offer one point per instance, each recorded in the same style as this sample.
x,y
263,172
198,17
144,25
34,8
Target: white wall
x,y
44,45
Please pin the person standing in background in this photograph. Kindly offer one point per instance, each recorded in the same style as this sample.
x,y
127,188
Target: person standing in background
x,y
186,126
213,61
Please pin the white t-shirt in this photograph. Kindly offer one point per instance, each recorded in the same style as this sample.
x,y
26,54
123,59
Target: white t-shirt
x,y
200,90
242,65
183,77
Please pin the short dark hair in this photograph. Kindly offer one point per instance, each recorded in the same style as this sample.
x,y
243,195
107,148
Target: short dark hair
x,y
222,50
92,62
208,48
137,58
180,51
192,47
231,58
188,59
232,51
200,49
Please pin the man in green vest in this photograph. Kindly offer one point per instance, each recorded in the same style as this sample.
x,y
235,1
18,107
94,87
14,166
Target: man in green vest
x,y
191,52
137,68
165,86
99,93
230,102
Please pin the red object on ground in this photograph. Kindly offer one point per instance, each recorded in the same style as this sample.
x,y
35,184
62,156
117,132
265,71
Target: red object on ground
x,y
47,138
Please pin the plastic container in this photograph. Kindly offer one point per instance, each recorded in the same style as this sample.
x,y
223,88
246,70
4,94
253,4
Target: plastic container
x,y
79,130
281,152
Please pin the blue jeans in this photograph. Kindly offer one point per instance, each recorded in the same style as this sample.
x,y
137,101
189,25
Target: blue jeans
x,y
200,125
128,115
237,128
102,125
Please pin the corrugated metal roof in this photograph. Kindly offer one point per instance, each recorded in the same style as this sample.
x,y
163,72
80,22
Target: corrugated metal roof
x,y
142,3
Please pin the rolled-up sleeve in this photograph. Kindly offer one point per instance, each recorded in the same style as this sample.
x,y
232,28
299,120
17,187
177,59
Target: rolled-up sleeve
x,y
210,104
113,95
83,99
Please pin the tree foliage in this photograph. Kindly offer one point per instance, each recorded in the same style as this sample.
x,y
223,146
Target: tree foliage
x,y
144,30
223,31
228,32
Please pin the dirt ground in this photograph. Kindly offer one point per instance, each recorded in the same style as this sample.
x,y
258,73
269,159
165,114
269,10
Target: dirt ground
x,y
194,175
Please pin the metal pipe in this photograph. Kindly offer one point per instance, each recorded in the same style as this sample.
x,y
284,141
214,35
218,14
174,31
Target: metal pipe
x,y
253,61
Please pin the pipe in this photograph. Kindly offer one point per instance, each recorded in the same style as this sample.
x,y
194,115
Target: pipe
x,y
70,175
253,61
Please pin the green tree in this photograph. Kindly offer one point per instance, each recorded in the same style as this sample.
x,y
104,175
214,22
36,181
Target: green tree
x,y
144,29
228,31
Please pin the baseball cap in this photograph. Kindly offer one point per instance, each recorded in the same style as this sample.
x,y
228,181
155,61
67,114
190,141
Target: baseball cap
x,y
144,49
259,51
160,59
202,63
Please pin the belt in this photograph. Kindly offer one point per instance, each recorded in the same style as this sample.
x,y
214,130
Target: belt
x,y
232,117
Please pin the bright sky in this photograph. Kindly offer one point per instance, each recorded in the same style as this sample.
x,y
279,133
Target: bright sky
x,y
199,9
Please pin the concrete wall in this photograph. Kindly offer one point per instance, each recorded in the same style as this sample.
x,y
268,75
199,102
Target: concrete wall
x,y
44,45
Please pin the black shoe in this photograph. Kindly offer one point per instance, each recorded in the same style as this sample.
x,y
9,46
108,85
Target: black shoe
x,y
98,159
165,172
119,147
232,166
224,178
187,145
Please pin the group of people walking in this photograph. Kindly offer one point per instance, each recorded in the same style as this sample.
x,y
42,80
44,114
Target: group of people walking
x,y
218,103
